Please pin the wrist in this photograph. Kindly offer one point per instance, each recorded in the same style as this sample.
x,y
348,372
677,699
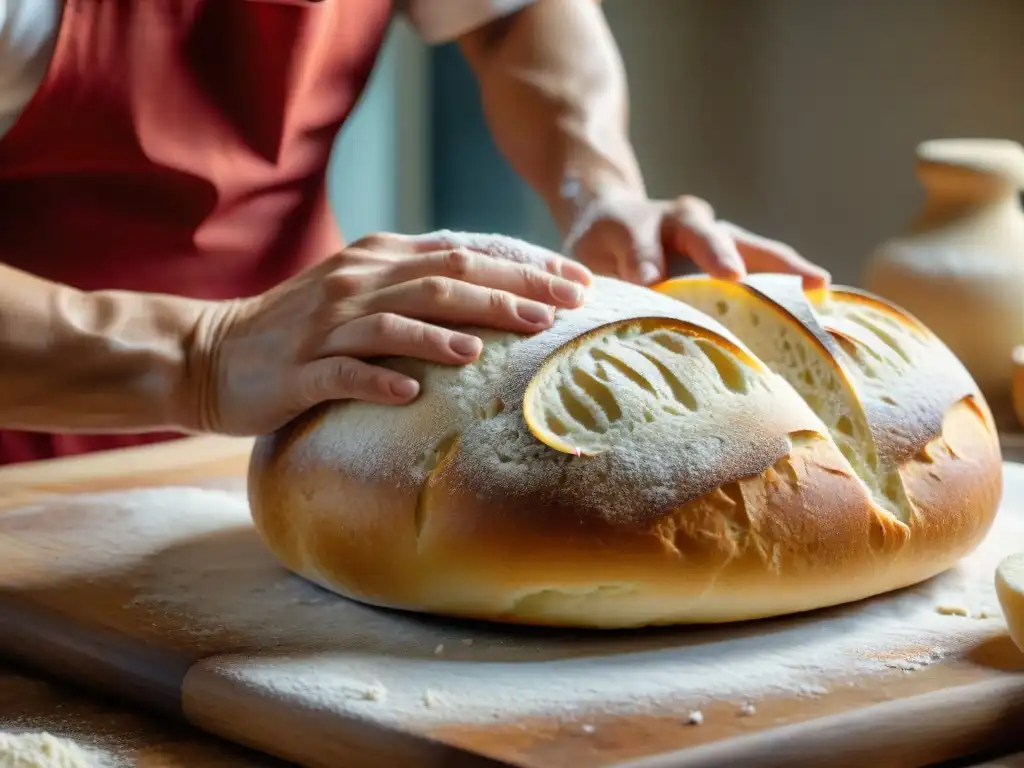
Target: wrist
x,y
196,396
583,204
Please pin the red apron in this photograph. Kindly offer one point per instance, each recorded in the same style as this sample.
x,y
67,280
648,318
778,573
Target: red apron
x,y
181,146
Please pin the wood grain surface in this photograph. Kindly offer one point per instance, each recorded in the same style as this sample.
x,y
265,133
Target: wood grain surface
x,y
75,572
31,704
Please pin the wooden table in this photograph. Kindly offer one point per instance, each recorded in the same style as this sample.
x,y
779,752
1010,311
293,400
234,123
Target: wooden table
x,y
28,703
32,703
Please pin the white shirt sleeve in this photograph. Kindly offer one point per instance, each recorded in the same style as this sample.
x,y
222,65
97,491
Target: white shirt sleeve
x,y
439,21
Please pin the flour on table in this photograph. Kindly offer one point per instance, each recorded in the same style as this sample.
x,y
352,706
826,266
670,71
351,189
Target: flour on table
x,y
42,750
203,579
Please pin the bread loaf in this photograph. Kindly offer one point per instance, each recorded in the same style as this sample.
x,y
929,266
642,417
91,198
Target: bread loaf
x,y
705,452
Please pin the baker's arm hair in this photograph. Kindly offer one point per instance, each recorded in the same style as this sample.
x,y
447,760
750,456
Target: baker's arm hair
x,y
554,92
105,361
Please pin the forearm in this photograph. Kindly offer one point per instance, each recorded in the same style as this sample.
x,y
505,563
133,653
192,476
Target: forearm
x,y
108,361
554,91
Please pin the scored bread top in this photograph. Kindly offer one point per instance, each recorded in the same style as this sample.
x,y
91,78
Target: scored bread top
x,y
881,382
908,378
663,403
905,378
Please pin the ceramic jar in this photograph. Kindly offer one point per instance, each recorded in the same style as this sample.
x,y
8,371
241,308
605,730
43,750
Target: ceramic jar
x,y
959,268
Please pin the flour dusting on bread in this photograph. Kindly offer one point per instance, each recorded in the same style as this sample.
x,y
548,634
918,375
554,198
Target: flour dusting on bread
x,y
706,452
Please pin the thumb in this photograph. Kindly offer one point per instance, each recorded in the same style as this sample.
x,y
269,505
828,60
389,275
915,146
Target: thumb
x,y
345,378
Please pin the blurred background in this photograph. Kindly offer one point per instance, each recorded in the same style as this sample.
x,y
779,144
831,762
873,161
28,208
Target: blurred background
x,y
795,118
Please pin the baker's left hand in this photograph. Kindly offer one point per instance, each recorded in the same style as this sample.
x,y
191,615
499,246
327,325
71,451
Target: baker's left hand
x,y
635,239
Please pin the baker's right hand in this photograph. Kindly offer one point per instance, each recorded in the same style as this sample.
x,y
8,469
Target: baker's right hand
x,y
256,363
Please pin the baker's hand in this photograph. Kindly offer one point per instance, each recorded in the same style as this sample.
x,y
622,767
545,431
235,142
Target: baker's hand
x,y
259,362
635,239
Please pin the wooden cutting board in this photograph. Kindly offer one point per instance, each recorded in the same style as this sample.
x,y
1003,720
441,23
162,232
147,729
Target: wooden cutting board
x,y
165,595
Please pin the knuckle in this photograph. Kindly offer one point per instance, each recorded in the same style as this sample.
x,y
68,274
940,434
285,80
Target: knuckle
x,y
535,280
347,375
691,205
337,260
397,331
342,284
351,378
437,289
375,241
458,262
501,301
386,325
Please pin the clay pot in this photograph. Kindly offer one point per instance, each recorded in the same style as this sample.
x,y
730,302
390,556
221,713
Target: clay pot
x,y
960,266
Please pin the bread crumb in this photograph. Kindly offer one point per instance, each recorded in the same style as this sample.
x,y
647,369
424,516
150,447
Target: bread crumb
x,y
439,650
431,698
959,610
695,718
376,692
587,728
748,710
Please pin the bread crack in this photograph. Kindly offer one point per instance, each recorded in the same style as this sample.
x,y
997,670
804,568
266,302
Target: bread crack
x,y
823,366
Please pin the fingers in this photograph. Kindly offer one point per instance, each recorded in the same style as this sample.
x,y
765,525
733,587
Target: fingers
x,y
469,266
568,269
519,252
639,254
501,247
764,255
690,228
641,262
344,378
725,250
388,334
454,302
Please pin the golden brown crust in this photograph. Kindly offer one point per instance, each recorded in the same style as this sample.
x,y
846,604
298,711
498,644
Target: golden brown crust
x,y
802,535
799,533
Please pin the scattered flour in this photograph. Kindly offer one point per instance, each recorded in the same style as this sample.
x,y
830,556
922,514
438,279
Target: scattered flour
x,y
42,750
203,581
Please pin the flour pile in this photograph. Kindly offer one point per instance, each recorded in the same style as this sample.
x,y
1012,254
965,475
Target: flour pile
x,y
42,750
